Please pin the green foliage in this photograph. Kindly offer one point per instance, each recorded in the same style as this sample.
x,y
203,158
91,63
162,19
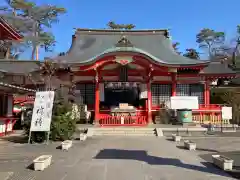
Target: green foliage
x,y
211,40
113,25
63,125
231,98
191,53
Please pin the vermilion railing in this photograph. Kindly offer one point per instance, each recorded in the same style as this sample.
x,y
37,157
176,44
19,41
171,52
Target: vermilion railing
x,y
211,113
108,120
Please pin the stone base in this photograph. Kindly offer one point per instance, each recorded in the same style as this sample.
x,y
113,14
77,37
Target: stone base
x,y
191,124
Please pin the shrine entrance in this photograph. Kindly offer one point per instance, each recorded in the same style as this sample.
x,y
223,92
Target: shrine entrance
x,y
125,104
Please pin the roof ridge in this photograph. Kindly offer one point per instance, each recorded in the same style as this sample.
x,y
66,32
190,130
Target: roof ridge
x,y
123,31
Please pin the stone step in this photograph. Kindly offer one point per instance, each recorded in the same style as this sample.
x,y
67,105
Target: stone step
x,y
122,134
124,131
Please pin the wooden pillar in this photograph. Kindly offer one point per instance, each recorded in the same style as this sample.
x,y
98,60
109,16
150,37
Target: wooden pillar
x,y
206,93
97,98
149,96
174,84
9,105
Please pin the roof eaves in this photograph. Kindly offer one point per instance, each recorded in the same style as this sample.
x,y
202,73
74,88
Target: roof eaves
x,y
10,29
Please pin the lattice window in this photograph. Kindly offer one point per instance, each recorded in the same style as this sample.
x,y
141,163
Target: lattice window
x,y
87,94
161,93
197,90
81,96
90,94
183,90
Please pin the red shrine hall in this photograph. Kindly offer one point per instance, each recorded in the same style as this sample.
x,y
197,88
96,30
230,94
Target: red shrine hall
x,y
139,69
125,77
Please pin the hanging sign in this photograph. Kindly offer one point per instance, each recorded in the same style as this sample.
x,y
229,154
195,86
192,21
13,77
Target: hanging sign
x,y
42,111
122,85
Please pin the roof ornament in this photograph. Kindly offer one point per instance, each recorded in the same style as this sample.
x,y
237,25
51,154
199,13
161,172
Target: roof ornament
x,y
124,42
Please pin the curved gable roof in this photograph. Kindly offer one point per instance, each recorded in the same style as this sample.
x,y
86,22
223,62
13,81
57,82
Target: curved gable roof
x,y
10,30
88,45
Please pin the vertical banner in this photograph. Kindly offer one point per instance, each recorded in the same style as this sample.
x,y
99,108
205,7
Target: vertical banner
x,y
42,111
101,89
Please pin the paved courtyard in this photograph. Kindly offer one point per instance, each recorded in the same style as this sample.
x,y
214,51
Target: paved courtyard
x,y
108,158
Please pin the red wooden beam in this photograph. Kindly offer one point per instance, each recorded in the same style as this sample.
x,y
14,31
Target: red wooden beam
x,y
11,32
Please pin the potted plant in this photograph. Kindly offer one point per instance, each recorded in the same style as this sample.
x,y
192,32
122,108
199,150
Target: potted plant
x,y
42,162
66,144
223,162
189,145
176,138
83,136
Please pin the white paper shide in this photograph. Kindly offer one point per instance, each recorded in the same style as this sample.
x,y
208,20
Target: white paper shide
x,y
42,111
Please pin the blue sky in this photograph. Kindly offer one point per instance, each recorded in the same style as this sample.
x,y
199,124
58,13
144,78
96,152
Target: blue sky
x,y
184,18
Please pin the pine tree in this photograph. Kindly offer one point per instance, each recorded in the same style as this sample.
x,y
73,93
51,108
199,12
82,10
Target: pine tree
x,y
33,21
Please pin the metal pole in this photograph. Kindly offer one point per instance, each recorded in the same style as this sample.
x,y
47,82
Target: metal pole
x,y
222,125
29,137
48,134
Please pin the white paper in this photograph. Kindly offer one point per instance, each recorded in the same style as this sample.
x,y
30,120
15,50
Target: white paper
x,y
226,113
184,102
42,111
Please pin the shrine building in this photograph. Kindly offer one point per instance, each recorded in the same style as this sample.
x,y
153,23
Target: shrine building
x,y
141,68
8,88
138,69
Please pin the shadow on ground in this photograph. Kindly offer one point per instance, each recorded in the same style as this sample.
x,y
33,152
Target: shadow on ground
x,y
235,155
16,139
141,155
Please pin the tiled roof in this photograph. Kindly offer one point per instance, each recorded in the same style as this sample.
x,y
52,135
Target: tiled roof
x,y
89,45
217,68
18,66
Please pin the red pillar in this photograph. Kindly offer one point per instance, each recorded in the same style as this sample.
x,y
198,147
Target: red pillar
x,y
149,95
174,84
206,93
97,100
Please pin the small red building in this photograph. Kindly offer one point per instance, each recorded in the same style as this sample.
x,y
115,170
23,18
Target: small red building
x,y
7,88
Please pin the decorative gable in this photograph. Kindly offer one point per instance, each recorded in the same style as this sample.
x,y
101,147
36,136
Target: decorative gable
x,y
124,42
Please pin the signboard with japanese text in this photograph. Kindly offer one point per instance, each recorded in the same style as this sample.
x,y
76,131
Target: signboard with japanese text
x,y
42,111
226,113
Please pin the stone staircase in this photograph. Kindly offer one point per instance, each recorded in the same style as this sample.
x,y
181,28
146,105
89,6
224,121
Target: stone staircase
x,y
122,131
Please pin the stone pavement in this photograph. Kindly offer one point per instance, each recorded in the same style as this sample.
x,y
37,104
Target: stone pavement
x,y
108,158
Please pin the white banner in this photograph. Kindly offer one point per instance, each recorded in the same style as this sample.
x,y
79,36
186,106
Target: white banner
x,y
42,111
226,113
184,102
